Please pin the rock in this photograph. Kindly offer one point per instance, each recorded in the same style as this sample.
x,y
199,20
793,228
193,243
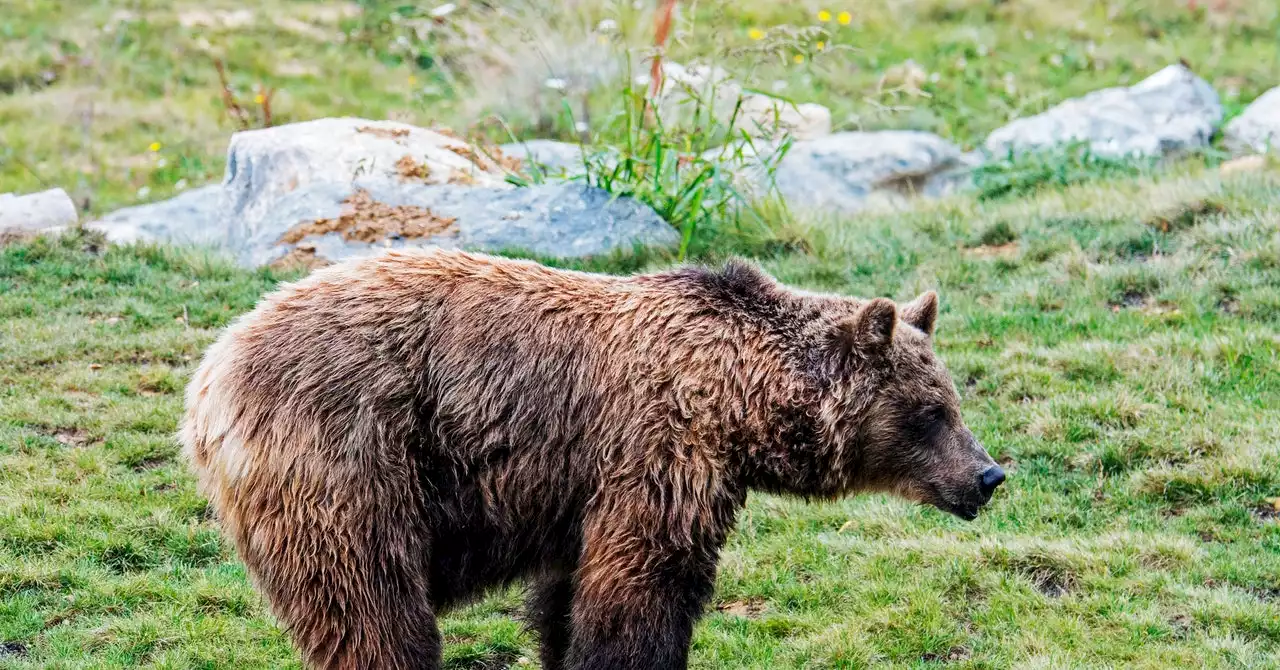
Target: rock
x,y
772,118
555,158
1258,127
36,211
265,165
321,191
194,217
698,90
846,172
339,221
1244,164
1172,110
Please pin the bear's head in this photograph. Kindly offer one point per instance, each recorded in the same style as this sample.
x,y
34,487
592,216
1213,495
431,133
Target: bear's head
x,y
897,414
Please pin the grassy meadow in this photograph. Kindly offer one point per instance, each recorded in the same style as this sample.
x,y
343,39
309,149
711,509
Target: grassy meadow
x,y
1114,329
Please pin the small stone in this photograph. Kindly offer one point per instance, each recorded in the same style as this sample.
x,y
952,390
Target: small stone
x,y
36,211
1254,163
1257,128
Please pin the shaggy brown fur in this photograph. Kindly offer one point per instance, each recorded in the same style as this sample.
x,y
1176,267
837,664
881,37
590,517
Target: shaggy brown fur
x,y
388,438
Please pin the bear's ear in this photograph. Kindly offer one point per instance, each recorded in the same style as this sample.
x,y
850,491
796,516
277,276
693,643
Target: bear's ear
x,y
870,330
922,312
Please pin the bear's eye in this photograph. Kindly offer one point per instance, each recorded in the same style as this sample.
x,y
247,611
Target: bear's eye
x,y
925,423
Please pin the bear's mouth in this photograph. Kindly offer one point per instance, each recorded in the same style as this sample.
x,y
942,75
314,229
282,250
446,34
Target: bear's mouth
x,y
967,511
966,507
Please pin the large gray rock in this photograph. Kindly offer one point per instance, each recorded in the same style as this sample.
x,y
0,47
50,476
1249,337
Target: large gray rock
x,y
36,211
564,220
194,217
1258,127
1172,110
338,188
847,172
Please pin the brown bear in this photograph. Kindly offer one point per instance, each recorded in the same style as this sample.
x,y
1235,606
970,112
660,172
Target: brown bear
x,y
390,437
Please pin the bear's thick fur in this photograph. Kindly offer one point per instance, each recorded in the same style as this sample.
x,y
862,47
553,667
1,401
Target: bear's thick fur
x,y
390,437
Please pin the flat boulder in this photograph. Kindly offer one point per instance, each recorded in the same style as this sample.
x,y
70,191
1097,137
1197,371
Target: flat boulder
x,y
847,172
1172,110
337,221
34,212
1257,129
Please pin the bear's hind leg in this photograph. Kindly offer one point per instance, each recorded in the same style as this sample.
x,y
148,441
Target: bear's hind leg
x,y
341,554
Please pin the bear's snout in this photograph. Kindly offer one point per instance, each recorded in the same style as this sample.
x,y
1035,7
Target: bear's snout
x,y
991,478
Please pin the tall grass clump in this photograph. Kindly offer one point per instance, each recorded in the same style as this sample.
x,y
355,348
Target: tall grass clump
x,y
696,171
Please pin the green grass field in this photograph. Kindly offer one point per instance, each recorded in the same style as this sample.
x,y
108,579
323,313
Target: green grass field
x,y
88,88
1116,340
1127,377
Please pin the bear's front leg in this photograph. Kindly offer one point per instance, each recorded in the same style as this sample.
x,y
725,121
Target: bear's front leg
x,y
549,607
640,590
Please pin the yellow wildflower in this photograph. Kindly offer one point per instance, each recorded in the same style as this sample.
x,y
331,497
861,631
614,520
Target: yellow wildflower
x,y
155,146
755,34
824,15
844,18
259,99
822,45
412,80
798,58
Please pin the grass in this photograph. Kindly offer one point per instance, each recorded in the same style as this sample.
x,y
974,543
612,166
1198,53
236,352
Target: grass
x,y
1112,327
1125,370
86,89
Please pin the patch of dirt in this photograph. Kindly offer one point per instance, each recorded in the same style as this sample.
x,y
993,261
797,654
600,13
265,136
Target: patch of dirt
x,y
369,221
409,169
1254,163
956,653
462,178
71,437
1006,250
302,257
1181,624
509,163
385,133
1268,512
150,463
1185,215
1265,594
1051,584
304,29
1129,299
497,659
216,19
1229,305
468,152
13,650
8,237
751,608
488,158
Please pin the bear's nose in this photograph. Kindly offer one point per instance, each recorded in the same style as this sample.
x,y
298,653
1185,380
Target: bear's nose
x,y
993,477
